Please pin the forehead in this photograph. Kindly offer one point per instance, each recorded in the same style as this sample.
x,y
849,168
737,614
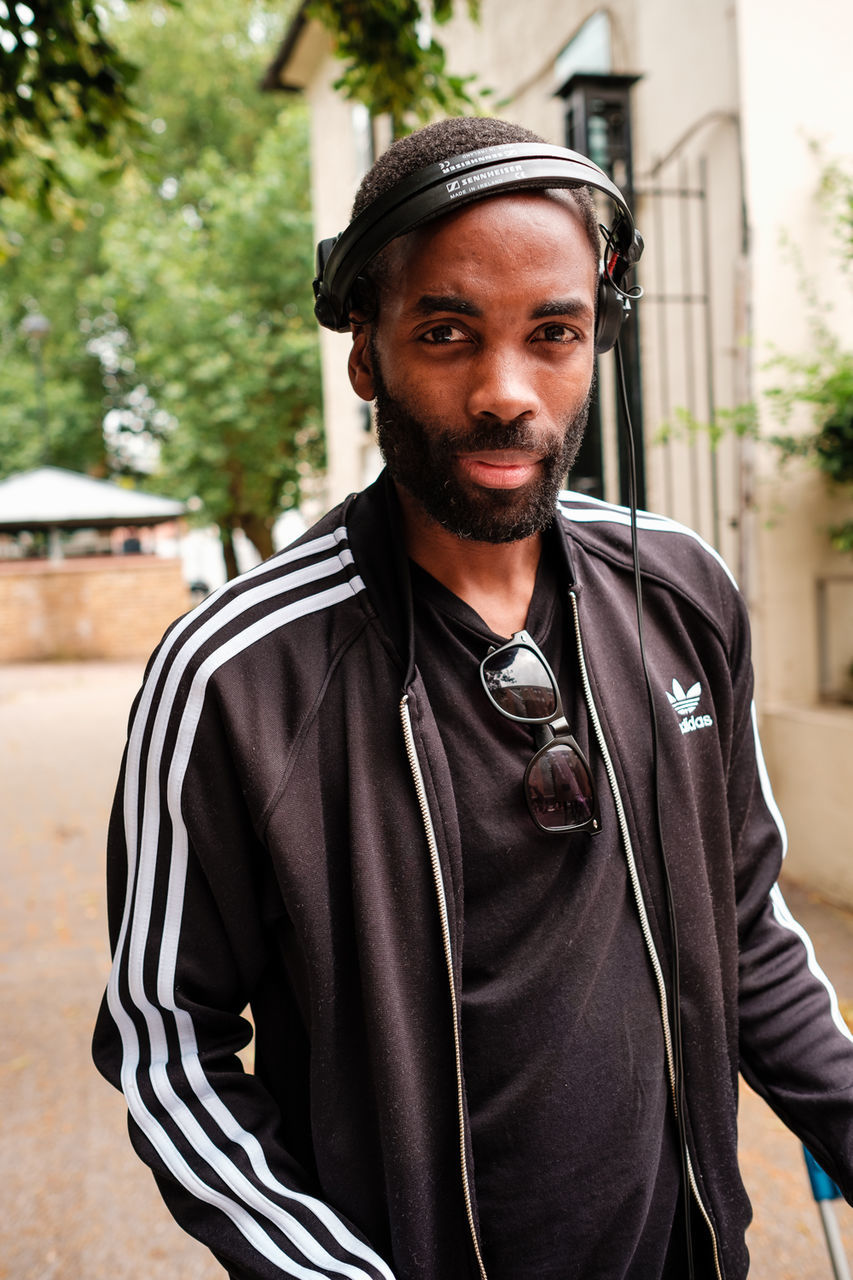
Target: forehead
x,y
523,235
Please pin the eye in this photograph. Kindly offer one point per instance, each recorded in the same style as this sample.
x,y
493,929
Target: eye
x,y
556,332
441,335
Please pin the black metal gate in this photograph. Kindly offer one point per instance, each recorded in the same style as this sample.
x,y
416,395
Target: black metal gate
x,y
695,360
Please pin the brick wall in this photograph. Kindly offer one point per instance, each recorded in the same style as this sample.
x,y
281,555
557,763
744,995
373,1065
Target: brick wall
x,y
97,607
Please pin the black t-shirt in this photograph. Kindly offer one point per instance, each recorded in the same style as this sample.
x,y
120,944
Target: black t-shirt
x,y
575,1165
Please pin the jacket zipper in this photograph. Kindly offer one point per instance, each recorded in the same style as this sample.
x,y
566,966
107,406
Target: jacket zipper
x,y
644,919
438,880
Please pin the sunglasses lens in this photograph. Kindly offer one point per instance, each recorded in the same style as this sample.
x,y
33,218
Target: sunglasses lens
x,y
520,684
559,788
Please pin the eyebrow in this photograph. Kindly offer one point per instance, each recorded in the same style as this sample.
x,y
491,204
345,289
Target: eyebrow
x,y
563,307
431,303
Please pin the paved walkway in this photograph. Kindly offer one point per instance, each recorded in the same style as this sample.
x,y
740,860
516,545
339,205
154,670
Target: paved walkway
x,y
77,1205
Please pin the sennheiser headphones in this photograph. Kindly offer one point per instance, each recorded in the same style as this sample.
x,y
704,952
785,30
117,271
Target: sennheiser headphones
x,y
442,187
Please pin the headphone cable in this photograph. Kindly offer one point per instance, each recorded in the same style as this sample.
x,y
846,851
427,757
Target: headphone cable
x,y
675,978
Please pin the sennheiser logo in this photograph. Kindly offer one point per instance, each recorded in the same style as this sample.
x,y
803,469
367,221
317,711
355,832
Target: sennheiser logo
x,y
684,704
473,157
483,179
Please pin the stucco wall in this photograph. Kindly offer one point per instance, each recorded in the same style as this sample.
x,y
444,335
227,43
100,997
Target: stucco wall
x,y
809,755
338,162
100,607
794,78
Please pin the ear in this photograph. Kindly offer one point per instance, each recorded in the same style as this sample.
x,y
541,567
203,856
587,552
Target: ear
x,y
360,364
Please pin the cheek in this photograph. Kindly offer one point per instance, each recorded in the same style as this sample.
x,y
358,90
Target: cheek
x,y
568,390
431,393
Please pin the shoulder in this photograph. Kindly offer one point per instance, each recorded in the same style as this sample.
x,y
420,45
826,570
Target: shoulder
x,y
676,563
287,605
249,666
671,552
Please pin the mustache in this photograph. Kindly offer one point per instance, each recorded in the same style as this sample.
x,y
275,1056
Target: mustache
x,y
517,434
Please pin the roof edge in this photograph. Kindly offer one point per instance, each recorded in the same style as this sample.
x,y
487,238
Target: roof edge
x,y
273,80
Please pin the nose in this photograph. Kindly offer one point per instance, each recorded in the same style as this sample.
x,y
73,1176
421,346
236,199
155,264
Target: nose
x,y
502,386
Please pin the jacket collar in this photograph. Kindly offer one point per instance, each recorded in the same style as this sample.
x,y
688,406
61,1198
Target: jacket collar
x,y
375,529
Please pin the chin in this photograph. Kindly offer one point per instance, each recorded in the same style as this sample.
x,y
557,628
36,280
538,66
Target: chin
x,y
491,515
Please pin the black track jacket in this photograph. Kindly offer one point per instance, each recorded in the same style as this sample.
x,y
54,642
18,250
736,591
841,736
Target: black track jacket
x,y
284,838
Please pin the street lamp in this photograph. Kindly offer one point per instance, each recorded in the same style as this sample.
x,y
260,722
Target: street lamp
x,y
35,327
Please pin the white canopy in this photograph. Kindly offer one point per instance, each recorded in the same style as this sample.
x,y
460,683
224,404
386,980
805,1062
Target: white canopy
x,y
53,498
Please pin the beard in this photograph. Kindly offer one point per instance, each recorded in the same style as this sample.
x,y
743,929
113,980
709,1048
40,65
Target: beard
x,y
421,455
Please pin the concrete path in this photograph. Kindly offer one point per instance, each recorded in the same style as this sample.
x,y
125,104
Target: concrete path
x,y
77,1205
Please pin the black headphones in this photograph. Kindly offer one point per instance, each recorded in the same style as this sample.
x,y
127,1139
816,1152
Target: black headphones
x,y
444,186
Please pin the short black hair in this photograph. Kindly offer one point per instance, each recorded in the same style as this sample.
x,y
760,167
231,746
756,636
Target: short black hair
x,y
443,140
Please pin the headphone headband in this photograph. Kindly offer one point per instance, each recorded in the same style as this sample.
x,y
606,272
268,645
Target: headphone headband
x,y
448,184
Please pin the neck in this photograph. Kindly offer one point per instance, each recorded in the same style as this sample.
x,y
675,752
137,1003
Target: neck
x,y
495,578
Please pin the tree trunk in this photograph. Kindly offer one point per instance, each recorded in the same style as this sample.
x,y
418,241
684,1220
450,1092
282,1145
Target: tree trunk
x,y
227,540
259,533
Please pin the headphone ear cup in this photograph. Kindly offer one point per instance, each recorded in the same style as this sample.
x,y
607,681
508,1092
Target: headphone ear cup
x,y
610,313
324,311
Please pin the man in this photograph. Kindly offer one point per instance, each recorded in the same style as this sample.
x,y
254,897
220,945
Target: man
x,y
397,790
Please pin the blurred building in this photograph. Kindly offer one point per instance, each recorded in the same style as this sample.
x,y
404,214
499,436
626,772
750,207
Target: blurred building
x,y
88,569
716,121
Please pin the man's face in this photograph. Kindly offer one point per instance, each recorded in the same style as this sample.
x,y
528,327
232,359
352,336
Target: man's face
x,y
481,363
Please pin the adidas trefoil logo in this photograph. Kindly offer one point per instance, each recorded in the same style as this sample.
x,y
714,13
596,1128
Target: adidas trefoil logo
x,y
684,704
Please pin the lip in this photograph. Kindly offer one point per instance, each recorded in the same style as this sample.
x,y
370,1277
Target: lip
x,y
499,469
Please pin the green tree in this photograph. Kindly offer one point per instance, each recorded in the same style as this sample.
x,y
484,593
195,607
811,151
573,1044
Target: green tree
x,y
393,63
68,73
64,85
179,295
52,388
216,280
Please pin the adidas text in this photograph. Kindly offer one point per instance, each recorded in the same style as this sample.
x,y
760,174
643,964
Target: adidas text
x,y
690,723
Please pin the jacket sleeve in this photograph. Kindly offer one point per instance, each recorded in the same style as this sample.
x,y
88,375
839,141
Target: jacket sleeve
x,y
187,934
796,1050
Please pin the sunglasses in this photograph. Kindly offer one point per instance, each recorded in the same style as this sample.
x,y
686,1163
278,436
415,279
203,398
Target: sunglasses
x,y
558,783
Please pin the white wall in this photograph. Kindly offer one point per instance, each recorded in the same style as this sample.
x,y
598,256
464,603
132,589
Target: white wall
x,y
795,77
795,86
